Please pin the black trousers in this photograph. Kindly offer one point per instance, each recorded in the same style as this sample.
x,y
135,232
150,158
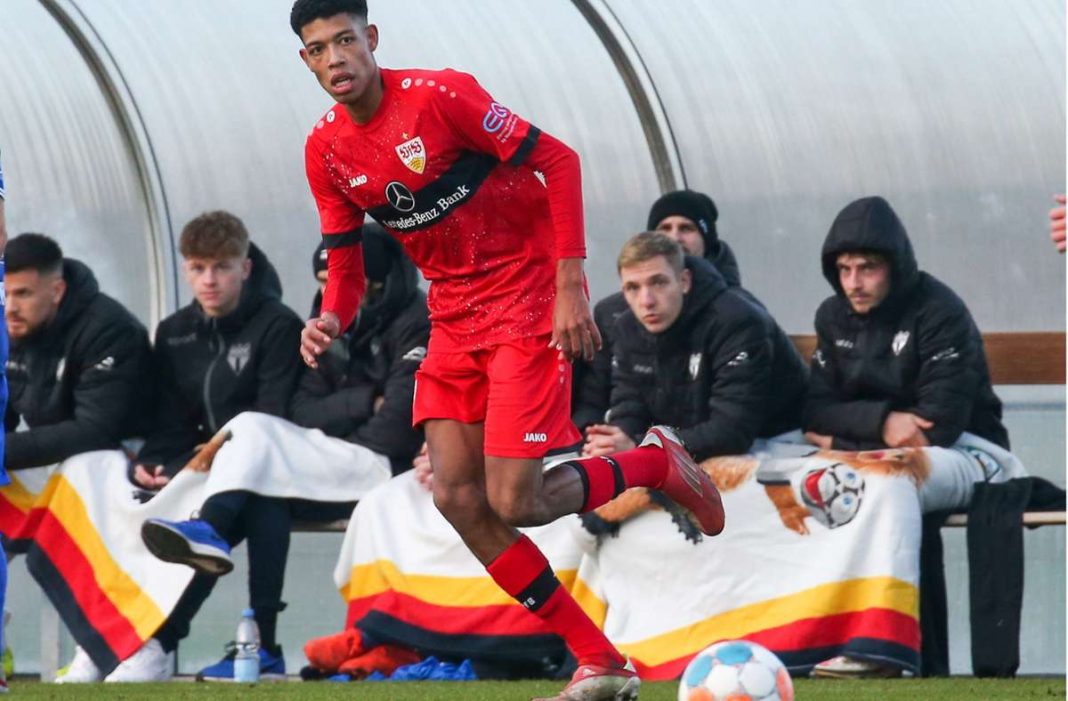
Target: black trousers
x,y
265,522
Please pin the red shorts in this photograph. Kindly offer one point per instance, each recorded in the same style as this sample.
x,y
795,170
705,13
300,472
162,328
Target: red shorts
x,y
520,389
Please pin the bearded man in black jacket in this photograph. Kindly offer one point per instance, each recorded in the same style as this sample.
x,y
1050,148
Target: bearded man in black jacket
x,y
899,361
694,353
79,367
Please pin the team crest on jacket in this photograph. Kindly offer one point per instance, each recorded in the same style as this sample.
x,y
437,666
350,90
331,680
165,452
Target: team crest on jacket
x,y
900,340
413,154
238,356
695,365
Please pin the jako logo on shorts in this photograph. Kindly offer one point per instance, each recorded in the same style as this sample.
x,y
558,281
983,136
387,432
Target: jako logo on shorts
x,y
535,438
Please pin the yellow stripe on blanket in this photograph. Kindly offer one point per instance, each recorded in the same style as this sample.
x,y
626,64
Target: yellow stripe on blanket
x,y
846,596
382,575
67,507
19,497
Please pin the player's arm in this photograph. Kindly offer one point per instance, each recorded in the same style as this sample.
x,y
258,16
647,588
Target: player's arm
x,y
341,222
489,127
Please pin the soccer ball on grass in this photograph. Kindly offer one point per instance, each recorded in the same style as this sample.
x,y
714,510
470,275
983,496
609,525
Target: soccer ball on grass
x,y
736,670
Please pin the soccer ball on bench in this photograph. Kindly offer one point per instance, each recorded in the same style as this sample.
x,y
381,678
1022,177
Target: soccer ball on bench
x,y
736,670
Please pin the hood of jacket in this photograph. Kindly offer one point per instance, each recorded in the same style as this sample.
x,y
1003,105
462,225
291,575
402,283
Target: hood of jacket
x,y
870,224
384,262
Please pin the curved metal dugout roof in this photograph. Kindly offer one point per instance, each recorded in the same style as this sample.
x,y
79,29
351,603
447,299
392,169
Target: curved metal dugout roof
x,y
123,120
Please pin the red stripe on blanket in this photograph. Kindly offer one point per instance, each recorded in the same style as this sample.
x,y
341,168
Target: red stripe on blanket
x,y
828,631
11,518
52,538
450,620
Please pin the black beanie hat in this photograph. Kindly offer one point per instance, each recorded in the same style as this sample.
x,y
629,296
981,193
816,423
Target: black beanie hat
x,y
379,251
695,206
319,259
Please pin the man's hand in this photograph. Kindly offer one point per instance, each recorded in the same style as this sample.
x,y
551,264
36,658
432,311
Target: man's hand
x,y
574,333
1056,226
424,474
150,477
316,337
602,439
819,440
905,430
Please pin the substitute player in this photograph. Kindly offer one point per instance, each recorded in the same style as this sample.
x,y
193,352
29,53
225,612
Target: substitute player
x,y
490,209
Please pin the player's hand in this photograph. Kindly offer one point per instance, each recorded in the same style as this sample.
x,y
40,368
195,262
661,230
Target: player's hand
x,y
424,474
574,333
150,477
316,337
819,440
603,439
1056,226
905,430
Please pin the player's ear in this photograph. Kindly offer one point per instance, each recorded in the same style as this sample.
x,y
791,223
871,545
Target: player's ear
x,y
372,36
304,56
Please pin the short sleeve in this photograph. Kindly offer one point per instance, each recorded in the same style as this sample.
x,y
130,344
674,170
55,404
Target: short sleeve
x,y
337,213
483,123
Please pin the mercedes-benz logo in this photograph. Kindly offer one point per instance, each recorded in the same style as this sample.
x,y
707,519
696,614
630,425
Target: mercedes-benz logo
x,y
400,196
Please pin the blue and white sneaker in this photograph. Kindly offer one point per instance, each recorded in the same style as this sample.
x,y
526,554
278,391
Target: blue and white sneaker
x,y
194,543
272,666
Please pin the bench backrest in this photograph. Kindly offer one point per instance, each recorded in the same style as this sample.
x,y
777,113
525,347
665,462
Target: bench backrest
x,y
1030,358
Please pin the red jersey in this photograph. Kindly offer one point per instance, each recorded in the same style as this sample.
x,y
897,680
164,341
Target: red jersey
x,y
452,175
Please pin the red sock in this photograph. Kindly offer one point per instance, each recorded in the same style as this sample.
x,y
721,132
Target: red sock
x,y
524,573
605,478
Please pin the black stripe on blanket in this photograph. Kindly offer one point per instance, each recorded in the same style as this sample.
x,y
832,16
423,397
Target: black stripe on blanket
x,y
59,593
492,648
871,649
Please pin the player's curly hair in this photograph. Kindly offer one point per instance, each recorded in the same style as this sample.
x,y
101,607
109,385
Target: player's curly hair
x,y
305,11
214,235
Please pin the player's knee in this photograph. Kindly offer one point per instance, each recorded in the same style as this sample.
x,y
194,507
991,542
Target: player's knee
x,y
517,509
459,503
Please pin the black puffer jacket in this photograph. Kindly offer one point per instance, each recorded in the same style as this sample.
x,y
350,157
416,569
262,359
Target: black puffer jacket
x,y
715,373
376,359
918,351
83,383
212,369
593,380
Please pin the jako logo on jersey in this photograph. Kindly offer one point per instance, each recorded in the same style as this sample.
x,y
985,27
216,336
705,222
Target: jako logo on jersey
x,y
413,154
357,181
495,119
535,438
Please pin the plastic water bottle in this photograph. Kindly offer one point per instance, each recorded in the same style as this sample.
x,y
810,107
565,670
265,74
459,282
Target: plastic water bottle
x,y
247,643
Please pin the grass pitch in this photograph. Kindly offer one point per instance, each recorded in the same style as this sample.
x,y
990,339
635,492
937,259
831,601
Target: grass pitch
x,y
953,689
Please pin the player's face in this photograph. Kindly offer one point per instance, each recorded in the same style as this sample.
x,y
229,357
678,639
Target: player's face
x,y
216,282
32,301
685,231
865,280
655,292
339,50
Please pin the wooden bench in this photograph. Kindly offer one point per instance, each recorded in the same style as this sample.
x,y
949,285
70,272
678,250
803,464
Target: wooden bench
x,y
1029,358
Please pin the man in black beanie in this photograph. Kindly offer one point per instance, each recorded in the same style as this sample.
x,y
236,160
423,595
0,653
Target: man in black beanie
x,y
688,217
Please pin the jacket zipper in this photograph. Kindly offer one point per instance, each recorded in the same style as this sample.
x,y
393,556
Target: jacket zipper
x,y
207,378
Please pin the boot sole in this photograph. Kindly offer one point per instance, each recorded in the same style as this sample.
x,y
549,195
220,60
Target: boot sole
x,y
170,545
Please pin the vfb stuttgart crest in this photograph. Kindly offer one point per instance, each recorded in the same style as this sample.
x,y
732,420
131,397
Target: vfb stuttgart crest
x,y
413,154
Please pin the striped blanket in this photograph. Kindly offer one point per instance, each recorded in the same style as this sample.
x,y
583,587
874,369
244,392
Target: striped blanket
x,y
79,523
409,580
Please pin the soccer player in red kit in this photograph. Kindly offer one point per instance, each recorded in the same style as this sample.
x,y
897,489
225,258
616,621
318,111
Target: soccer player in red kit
x,y
490,209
